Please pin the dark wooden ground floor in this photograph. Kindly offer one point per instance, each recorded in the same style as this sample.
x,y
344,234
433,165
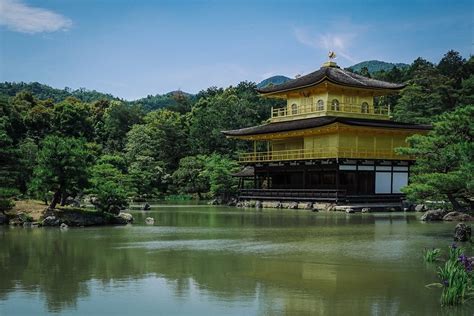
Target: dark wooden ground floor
x,y
327,180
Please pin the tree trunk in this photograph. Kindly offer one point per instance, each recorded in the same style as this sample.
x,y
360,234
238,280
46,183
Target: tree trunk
x,y
469,202
56,199
199,195
64,198
455,203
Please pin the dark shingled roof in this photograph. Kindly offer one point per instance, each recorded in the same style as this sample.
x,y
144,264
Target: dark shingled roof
x,y
318,122
335,75
246,172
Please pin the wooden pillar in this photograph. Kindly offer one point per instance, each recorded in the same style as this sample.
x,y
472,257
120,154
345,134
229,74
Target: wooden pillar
x,y
357,177
268,179
255,179
337,180
305,168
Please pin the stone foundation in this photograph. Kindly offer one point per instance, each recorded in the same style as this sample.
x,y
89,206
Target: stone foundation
x,y
314,206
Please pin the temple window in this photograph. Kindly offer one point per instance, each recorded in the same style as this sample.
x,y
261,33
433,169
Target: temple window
x,y
320,105
364,107
335,105
294,109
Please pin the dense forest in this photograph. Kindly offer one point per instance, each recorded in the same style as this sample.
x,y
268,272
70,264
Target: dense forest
x,y
57,144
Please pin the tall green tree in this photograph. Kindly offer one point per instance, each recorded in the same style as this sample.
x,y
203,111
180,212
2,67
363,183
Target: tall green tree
x,y
428,94
7,171
163,137
220,110
219,170
444,167
190,176
148,176
451,65
71,118
109,185
118,119
61,167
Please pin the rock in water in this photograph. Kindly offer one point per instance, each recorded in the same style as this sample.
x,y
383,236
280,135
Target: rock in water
x,y
366,210
462,232
350,210
149,220
63,226
457,216
258,204
433,215
124,218
146,207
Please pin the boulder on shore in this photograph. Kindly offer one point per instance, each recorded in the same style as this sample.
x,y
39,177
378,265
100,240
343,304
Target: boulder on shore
x,y
457,217
420,208
123,218
433,215
462,232
50,221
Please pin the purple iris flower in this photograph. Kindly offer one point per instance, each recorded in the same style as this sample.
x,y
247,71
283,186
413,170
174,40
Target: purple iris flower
x,y
446,283
462,258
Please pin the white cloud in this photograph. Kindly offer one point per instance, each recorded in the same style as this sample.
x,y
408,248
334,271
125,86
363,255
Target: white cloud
x,y
340,42
20,17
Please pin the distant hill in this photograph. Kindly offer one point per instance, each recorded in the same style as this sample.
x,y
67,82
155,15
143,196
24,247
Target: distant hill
x,y
43,92
275,80
173,99
377,65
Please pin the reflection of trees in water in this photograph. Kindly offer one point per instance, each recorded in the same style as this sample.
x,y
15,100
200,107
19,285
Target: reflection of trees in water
x,y
60,265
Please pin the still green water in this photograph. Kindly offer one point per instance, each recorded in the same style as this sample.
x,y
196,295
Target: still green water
x,y
201,260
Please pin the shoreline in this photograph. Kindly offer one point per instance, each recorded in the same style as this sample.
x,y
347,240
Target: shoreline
x,y
34,213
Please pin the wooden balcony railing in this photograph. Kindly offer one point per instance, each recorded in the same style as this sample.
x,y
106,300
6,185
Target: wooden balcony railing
x,y
344,108
319,153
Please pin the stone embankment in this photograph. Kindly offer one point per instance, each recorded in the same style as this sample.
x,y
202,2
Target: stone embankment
x,y
318,206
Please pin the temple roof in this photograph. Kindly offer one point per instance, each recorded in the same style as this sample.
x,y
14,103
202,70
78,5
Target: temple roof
x,y
246,172
319,122
335,75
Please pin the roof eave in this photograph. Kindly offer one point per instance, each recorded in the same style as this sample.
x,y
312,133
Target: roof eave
x,y
269,93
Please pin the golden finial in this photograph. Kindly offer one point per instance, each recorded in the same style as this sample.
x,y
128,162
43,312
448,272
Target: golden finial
x,y
331,62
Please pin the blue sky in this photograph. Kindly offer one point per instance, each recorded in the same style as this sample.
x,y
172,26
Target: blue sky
x,y
135,48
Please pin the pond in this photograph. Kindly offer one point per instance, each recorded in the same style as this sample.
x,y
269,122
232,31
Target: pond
x,y
206,260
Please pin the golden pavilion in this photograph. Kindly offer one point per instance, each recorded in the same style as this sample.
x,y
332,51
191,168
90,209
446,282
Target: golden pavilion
x,y
329,143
